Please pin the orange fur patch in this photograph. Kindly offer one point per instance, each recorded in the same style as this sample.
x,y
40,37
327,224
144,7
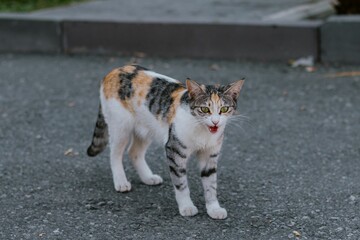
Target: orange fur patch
x,y
128,69
176,96
215,98
141,83
111,84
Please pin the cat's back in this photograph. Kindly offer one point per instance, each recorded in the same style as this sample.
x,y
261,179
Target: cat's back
x,y
136,88
122,82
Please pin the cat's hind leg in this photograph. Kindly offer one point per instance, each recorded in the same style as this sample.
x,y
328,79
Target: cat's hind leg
x,y
120,122
117,147
137,152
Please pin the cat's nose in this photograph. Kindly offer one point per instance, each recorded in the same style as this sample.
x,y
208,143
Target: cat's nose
x,y
215,122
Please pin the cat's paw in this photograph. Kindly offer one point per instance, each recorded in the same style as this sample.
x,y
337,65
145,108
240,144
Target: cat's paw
x,y
153,180
217,213
188,211
123,187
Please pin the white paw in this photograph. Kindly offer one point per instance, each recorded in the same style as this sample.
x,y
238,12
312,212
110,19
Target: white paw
x,y
217,213
124,187
188,211
153,180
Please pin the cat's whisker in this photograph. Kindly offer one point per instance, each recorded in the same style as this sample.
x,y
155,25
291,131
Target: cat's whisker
x,y
240,118
242,129
239,115
240,123
198,122
244,126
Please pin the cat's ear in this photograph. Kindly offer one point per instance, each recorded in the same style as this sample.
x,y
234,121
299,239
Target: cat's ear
x,y
194,88
233,89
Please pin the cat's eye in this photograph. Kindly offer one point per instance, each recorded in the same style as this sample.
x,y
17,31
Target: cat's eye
x,y
224,109
205,109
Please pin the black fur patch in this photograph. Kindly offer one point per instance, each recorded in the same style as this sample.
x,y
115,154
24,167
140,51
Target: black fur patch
x,y
214,155
177,140
179,172
176,151
208,172
126,90
170,158
159,97
180,186
185,98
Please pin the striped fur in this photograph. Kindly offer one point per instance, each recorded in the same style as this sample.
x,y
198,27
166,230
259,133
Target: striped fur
x,y
139,106
100,136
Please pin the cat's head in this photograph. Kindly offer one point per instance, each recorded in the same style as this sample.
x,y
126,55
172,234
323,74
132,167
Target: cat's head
x,y
212,105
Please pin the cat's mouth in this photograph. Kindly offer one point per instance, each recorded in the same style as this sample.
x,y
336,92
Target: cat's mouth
x,y
213,129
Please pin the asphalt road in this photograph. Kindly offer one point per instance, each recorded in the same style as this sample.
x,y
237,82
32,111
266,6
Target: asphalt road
x,y
293,166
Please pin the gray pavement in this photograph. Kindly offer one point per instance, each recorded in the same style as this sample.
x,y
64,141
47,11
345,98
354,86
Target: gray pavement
x,y
192,11
294,166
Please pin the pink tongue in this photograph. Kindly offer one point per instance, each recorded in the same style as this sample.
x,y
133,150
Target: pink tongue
x,y
213,129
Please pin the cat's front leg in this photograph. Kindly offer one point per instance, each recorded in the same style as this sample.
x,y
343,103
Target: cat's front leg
x,y
208,167
177,155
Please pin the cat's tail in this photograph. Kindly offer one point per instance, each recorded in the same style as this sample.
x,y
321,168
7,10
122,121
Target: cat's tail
x,y
100,136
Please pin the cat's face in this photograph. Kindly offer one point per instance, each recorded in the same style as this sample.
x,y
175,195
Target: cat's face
x,y
213,105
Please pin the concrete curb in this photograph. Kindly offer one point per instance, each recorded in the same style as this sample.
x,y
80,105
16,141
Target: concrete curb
x,y
279,41
340,39
19,34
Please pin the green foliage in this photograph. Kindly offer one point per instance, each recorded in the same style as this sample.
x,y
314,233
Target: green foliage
x,y
30,5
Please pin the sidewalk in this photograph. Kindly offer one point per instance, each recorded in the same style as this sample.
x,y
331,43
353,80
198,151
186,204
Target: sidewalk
x,y
188,11
211,29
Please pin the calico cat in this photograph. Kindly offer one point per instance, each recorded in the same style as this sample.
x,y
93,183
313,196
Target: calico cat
x,y
139,106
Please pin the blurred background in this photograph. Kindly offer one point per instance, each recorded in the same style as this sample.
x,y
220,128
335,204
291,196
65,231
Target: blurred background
x,y
284,30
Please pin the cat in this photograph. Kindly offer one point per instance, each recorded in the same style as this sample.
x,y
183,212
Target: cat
x,y
138,106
